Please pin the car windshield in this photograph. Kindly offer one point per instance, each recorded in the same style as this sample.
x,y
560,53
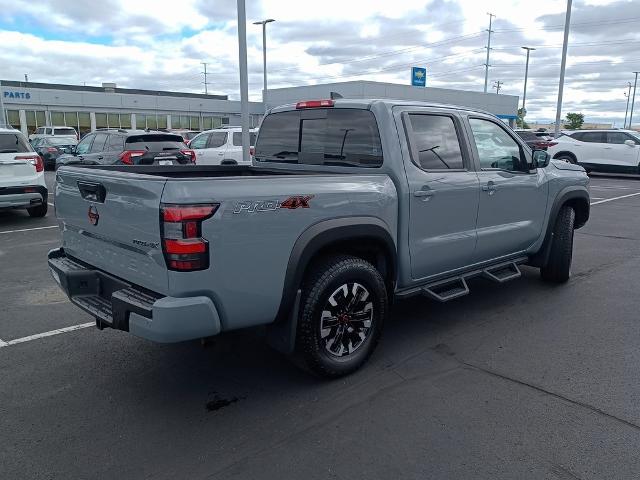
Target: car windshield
x,y
65,141
13,143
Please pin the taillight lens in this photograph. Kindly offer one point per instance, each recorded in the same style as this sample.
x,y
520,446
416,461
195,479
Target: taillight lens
x,y
252,151
34,160
184,247
52,149
189,153
128,156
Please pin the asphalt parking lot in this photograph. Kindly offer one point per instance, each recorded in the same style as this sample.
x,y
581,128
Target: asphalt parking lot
x,y
524,381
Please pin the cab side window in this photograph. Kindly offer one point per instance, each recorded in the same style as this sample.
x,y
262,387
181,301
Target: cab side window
x,y
200,141
590,137
496,148
434,142
217,139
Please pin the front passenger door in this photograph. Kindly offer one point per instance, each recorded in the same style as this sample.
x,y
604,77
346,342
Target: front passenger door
x,y
513,199
621,156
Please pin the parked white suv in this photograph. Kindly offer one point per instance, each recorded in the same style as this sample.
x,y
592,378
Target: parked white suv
x,y
21,174
615,151
221,146
54,131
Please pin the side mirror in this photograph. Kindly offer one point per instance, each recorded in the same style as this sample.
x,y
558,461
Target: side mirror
x,y
631,143
540,159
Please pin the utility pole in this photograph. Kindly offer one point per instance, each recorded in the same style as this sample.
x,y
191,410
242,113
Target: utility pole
x,y
628,95
526,75
206,92
264,58
633,100
244,79
497,85
563,64
486,65
26,78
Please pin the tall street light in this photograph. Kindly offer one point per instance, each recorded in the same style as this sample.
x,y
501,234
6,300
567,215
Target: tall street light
x,y
264,57
626,112
633,99
526,75
244,79
563,64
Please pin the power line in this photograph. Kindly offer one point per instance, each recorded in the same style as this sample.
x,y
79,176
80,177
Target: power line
x,y
594,23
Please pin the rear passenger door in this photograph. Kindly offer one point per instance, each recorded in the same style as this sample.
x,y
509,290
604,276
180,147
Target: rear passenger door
x,y
513,199
444,193
95,155
113,147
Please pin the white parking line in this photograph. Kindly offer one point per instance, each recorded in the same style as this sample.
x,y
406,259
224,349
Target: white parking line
x,y
615,198
46,334
28,229
51,204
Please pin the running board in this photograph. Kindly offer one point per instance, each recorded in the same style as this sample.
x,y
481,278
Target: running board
x,y
446,290
502,273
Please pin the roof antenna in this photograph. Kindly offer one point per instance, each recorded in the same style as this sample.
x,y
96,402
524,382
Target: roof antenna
x,y
335,95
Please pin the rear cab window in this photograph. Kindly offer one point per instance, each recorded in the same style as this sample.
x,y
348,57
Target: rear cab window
x,y
237,139
65,131
335,137
14,143
155,143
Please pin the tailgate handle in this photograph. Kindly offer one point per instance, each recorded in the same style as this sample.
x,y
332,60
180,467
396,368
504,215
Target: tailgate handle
x,y
94,192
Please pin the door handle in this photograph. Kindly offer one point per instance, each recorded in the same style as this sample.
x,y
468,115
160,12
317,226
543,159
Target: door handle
x,y
489,187
100,157
425,193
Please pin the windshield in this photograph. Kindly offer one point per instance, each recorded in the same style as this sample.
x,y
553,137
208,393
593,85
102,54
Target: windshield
x,y
62,141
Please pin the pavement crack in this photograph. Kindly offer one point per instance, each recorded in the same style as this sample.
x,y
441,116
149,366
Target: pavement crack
x,y
602,235
553,394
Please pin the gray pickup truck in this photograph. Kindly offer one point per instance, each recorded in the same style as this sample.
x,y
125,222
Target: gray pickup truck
x,y
349,205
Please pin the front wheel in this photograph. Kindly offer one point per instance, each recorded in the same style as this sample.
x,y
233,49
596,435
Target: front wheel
x,y
342,313
558,266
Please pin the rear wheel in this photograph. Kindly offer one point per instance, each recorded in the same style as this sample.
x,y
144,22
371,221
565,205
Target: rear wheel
x,y
558,266
39,211
342,313
565,157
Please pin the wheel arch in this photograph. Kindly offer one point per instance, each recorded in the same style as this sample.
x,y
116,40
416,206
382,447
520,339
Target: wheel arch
x,y
566,153
364,237
577,197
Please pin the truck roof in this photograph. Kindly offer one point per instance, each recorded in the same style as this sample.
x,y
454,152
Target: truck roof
x,y
366,103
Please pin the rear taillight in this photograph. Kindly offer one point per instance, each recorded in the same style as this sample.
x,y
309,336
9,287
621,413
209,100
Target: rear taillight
x,y
184,248
545,144
128,156
34,160
189,153
252,151
315,104
52,149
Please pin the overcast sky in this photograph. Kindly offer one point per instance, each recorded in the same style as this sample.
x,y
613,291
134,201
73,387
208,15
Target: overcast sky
x,y
159,44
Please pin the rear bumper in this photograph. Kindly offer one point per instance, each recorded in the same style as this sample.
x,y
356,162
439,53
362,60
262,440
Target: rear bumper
x,y
118,304
23,196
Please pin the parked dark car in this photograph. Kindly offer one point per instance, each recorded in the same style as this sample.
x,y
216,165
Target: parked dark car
x,y
50,148
536,140
129,147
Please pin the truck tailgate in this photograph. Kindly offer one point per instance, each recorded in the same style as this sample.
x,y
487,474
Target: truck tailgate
x,y
111,220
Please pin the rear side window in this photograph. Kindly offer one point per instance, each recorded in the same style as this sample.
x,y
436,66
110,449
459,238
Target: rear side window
x,y
217,139
98,143
434,142
13,143
527,136
237,138
115,143
339,137
590,137
40,131
200,141
155,143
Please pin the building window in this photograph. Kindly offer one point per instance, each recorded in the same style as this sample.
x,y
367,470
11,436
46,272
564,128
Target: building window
x,y
162,120
101,120
35,119
113,120
84,123
57,118
125,120
13,118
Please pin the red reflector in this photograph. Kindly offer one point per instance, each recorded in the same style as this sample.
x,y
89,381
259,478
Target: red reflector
x,y
191,229
180,213
315,104
182,247
185,265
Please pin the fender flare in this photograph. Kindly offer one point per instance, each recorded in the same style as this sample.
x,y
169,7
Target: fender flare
x,y
282,332
573,192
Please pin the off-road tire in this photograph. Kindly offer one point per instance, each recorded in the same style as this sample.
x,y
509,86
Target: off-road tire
x,y
558,266
325,278
39,211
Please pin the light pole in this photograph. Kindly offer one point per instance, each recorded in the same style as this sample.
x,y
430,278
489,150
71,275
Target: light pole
x,y
244,79
264,57
526,75
628,95
563,64
633,100
3,118
486,65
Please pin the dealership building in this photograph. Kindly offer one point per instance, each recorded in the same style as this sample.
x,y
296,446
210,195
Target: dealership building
x,y
29,105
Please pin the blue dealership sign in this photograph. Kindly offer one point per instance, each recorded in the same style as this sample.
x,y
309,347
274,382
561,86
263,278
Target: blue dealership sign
x,y
418,76
17,94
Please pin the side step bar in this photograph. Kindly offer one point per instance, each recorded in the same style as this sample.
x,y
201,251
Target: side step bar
x,y
456,287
